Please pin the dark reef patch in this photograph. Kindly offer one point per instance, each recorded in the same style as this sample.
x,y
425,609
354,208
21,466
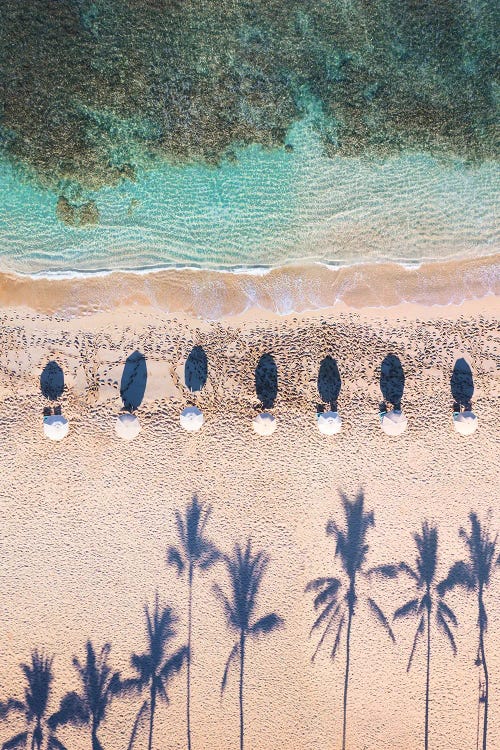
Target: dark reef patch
x,y
92,91
87,214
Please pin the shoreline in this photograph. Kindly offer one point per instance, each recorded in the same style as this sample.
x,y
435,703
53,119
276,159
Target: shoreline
x,y
290,289
258,269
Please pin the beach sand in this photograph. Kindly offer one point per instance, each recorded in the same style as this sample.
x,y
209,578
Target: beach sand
x,y
86,523
215,295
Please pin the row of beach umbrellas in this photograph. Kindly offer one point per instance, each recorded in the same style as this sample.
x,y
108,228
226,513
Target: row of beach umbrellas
x,y
392,423
127,425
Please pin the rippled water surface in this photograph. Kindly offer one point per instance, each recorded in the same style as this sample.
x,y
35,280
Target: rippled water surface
x,y
267,208
157,134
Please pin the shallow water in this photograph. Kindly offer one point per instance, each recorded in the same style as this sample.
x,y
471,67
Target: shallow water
x,y
268,208
228,135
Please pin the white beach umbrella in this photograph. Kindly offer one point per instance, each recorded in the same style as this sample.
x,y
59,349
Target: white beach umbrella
x,y
191,419
465,423
55,427
394,422
264,424
127,426
329,423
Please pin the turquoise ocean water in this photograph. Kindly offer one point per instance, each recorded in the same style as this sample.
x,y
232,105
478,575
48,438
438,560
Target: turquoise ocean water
x,y
267,208
144,134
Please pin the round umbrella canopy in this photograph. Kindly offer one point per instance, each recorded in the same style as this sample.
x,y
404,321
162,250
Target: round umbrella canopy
x,y
127,426
264,424
55,427
329,423
465,423
394,422
191,419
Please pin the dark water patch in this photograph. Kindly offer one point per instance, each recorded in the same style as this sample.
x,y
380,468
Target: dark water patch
x,y
77,216
94,91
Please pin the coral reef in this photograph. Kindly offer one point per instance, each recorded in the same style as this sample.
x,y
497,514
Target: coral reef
x,y
84,215
93,91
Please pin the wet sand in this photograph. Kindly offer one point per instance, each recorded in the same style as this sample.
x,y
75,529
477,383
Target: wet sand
x,y
86,523
215,295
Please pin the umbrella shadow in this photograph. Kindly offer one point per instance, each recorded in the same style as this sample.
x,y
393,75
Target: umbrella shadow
x,y
196,369
392,382
462,385
133,382
266,381
329,383
52,384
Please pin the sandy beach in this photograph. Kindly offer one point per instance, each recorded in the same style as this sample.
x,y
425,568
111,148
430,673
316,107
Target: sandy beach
x,y
249,264
215,295
86,523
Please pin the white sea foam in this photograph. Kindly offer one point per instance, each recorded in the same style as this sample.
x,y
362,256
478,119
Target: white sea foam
x,y
257,271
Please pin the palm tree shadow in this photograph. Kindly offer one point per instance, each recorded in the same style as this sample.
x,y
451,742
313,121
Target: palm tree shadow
x,y
392,382
462,385
245,570
39,676
474,575
427,602
133,382
195,553
266,381
336,599
52,381
196,369
329,383
100,685
156,666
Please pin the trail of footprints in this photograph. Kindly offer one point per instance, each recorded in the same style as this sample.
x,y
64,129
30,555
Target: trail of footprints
x,y
92,361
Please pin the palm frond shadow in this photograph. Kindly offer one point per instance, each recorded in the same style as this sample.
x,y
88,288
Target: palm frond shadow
x,y
194,552
245,572
426,603
474,575
38,674
155,667
336,599
99,686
